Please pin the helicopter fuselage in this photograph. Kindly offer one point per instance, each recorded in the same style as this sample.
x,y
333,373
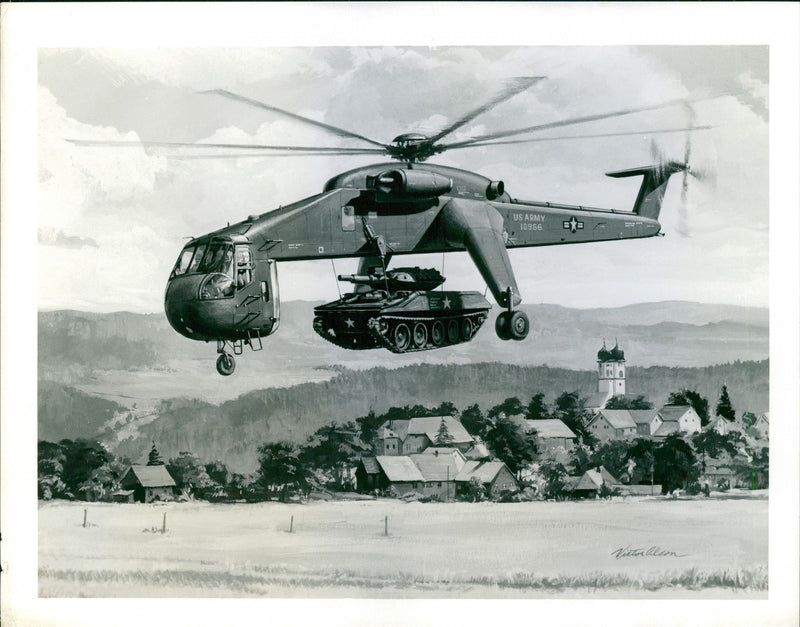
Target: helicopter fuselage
x,y
224,285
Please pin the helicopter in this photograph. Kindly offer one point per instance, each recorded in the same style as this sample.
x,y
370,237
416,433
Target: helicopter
x,y
224,285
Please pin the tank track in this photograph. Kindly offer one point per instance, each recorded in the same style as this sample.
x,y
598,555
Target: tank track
x,y
340,341
383,329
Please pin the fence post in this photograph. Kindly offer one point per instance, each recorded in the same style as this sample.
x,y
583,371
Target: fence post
x,y
386,526
164,523
84,518
291,524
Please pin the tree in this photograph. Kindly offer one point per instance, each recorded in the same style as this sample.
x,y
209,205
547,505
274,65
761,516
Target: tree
x,y
475,490
755,475
675,464
641,454
50,469
474,421
279,468
537,408
154,459
614,456
446,408
511,444
556,483
81,459
569,408
368,426
443,437
724,406
580,459
189,473
692,398
510,407
333,449
626,402
714,444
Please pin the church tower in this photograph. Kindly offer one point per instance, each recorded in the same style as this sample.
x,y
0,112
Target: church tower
x,y
611,371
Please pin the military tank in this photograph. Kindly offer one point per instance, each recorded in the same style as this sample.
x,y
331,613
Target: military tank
x,y
399,310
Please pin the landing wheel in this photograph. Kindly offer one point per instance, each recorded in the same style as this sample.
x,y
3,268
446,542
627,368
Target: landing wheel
x,y
226,364
437,333
501,326
420,335
518,325
452,331
466,329
402,336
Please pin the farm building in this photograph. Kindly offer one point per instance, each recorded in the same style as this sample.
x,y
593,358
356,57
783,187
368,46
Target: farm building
x,y
589,484
758,428
494,476
414,435
684,415
149,483
612,424
478,451
647,420
439,468
552,433
722,426
385,471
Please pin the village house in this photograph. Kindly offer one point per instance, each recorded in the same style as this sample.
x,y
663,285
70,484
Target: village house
x,y
677,419
647,420
612,424
384,471
552,433
148,483
495,477
439,468
589,484
758,428
722,426
413,435
478,451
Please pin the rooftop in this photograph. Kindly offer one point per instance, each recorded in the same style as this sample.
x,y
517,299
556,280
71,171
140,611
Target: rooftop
x,y
152,476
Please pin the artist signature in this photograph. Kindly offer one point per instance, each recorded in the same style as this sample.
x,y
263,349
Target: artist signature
x,y
653,551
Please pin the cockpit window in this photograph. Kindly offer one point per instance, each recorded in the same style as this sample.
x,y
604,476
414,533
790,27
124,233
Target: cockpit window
x,y
198,256
183,261
218,258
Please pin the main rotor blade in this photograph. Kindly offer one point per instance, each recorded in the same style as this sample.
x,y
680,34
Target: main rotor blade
x,y
340,132
561,137
149,144
578,120
514,87
252,155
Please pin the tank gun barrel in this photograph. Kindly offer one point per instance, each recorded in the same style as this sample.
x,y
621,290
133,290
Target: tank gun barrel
x,y
360,279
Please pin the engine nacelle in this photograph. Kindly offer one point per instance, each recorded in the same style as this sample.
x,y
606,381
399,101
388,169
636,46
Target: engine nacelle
x,y
401,184
495,189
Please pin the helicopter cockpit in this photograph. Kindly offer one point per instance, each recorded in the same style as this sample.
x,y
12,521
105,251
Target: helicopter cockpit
x,y
216,293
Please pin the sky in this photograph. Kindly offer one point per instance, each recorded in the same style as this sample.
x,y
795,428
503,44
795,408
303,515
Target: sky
x,y
111,221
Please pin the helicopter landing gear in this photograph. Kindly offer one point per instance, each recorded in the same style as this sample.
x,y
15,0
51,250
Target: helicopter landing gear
x,y
226,364
510,324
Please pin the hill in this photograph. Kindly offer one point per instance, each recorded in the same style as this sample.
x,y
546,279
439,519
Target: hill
x,y
232,430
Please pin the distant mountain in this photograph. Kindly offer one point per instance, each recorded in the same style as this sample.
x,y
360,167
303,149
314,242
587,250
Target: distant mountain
x,y
123,355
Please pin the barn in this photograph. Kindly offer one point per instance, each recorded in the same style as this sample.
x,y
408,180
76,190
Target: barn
x,y
149,483
494,476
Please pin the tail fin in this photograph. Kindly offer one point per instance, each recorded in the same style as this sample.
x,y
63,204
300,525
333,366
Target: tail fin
x,y
654,185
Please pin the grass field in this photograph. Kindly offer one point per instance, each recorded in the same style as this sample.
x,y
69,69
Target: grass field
x,y
631,548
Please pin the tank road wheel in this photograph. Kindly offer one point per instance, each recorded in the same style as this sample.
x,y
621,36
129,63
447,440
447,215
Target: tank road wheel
x,y
402,337
501,326
452,331
226,364
437,333
519,325
466,330
420,335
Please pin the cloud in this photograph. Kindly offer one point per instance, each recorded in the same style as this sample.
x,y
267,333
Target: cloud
x,y
57,237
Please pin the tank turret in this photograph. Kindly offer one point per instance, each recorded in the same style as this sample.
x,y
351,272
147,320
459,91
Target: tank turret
x,y
411,279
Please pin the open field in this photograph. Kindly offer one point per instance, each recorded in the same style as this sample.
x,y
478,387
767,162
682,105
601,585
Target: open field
x,y
648,547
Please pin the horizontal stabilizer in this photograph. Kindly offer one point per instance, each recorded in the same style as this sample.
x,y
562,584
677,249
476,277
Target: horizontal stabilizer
x,y
654,185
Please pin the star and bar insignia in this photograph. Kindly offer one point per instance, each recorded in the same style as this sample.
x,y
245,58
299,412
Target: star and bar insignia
x,y
573,224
